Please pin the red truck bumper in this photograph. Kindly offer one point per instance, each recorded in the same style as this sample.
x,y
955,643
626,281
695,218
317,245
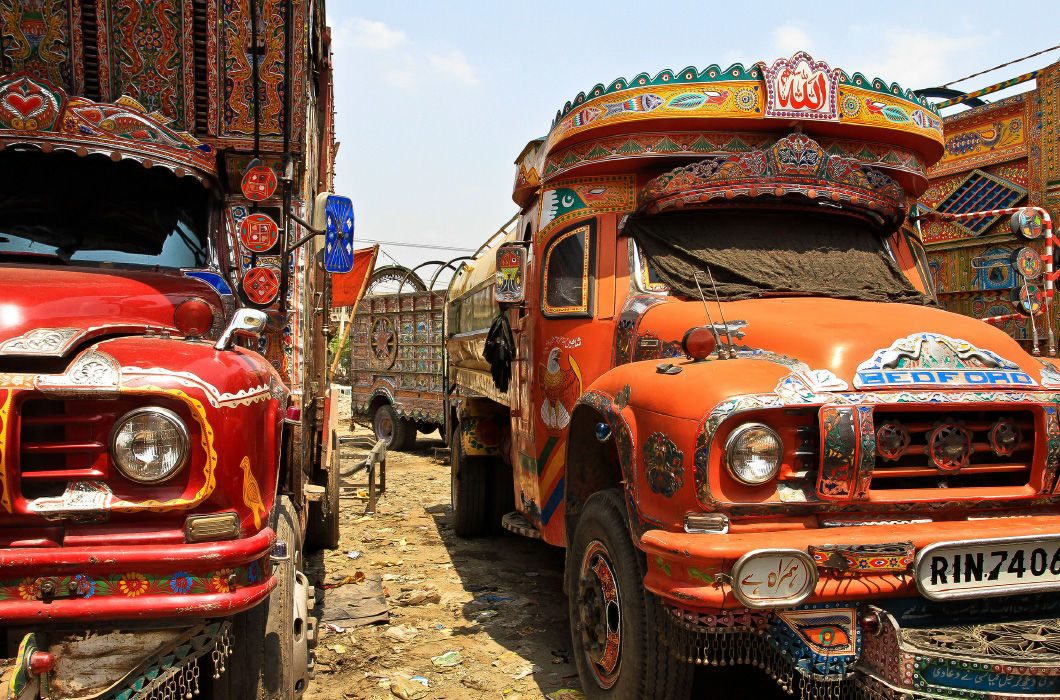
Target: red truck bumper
x,y
693,572
93,584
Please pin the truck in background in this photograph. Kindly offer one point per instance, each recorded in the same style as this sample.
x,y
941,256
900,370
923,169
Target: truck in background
x,y
999,153
397,354
718,378
166,444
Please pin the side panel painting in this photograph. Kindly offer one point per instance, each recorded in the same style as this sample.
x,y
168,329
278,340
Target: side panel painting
x,y
569,350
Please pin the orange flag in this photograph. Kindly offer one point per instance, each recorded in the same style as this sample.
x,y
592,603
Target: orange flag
x,y
347,289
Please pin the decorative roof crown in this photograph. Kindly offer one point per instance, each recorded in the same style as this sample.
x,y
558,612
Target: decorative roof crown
x,y
795,164
32,110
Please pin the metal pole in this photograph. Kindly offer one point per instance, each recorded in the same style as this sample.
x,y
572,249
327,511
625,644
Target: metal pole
x,y
1047,258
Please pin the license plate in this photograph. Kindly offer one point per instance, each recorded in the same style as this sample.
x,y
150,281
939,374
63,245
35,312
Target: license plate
x,y
1004,566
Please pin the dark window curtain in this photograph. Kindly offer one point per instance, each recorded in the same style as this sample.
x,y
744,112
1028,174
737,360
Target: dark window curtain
x,y
757,252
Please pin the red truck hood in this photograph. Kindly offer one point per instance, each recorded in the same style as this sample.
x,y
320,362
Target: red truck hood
x,y
82,303
844,336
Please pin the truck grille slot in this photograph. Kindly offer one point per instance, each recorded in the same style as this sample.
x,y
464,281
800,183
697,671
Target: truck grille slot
x,y
62,441
952,449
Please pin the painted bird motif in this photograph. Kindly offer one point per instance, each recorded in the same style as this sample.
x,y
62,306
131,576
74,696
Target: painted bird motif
x,y
561,388
874,106
252,492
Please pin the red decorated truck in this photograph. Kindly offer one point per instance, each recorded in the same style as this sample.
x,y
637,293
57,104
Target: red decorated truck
x,y
709,363
166,240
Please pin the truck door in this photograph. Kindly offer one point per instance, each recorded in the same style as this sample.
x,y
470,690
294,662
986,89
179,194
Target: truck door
x,y
553,374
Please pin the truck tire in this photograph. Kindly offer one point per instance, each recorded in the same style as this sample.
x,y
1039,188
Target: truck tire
x,y
468,477
322,528
613,627
390,428
410,436
500,496
269,644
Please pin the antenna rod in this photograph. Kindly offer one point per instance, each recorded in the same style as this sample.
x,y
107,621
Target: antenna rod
x,y
713,329
717,300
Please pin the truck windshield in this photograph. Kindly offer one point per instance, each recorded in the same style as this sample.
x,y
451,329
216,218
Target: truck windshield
x,y
771,252
89,210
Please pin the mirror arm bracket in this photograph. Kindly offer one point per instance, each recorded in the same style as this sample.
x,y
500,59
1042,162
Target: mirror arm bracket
x,y
304,239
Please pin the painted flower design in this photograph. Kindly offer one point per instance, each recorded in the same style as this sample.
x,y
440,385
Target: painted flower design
x,y
133,584
254,572
219,580
27,589
86,587
181,582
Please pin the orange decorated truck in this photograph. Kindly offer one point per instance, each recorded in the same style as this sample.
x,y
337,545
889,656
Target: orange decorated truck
x,y
708,362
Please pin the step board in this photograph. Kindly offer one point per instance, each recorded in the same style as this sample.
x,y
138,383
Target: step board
x,y
516,522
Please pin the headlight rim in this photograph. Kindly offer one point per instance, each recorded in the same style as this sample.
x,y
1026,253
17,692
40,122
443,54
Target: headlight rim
x,y
730,441
170,415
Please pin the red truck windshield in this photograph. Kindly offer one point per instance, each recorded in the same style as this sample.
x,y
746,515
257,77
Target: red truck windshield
x,y
86,210
764,252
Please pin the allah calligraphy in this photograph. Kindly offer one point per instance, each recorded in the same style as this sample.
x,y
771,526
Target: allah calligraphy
x,y
802,88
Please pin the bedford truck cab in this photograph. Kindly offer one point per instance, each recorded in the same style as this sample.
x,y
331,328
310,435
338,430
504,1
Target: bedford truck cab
x,y
734,400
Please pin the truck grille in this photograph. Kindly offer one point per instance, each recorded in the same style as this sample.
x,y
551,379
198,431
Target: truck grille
x,y
952,448
62,441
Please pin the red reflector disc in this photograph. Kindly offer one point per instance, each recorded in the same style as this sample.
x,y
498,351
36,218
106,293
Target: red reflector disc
x,y
259,183
699,343
258,232
193,317
261,284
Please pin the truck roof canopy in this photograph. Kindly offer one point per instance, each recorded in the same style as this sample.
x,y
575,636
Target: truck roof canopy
x,y
657,123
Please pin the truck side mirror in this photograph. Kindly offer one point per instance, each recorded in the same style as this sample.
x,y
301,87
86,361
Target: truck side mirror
x,y
333,215
510,287
245,321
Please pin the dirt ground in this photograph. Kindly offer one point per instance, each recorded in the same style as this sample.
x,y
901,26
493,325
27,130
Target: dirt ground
x,y
497,602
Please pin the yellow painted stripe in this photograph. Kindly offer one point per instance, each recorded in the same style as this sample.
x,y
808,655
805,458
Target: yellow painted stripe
x,y
555,464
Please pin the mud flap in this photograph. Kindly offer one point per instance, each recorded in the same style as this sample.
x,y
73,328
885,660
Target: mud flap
x,y
17,681
484,429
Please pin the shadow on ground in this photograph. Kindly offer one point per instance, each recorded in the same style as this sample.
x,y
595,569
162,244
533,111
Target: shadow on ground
x,y
504,609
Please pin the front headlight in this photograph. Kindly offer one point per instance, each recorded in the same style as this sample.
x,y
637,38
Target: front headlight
x,y
753,453
149,444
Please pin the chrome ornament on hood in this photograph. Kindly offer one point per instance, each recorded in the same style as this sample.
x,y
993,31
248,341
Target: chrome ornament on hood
x,y
933,360
42,342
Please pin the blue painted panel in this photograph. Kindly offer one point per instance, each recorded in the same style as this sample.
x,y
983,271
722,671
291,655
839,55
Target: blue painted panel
x,y
338,242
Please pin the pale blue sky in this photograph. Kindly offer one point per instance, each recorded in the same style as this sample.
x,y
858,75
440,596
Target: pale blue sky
x,y
434,101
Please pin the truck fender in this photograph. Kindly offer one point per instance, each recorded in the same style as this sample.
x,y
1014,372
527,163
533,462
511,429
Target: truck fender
x,y
380,395
600,458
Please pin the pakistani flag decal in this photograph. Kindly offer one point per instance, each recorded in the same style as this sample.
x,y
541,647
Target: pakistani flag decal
x,y
556,203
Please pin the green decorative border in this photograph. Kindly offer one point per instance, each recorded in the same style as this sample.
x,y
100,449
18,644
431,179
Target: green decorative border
x,y
714,74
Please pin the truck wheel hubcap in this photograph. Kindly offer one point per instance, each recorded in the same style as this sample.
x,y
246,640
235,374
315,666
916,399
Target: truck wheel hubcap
x,y
600,614
384,428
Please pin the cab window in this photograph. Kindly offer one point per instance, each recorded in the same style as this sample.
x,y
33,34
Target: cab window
x,y
568,272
